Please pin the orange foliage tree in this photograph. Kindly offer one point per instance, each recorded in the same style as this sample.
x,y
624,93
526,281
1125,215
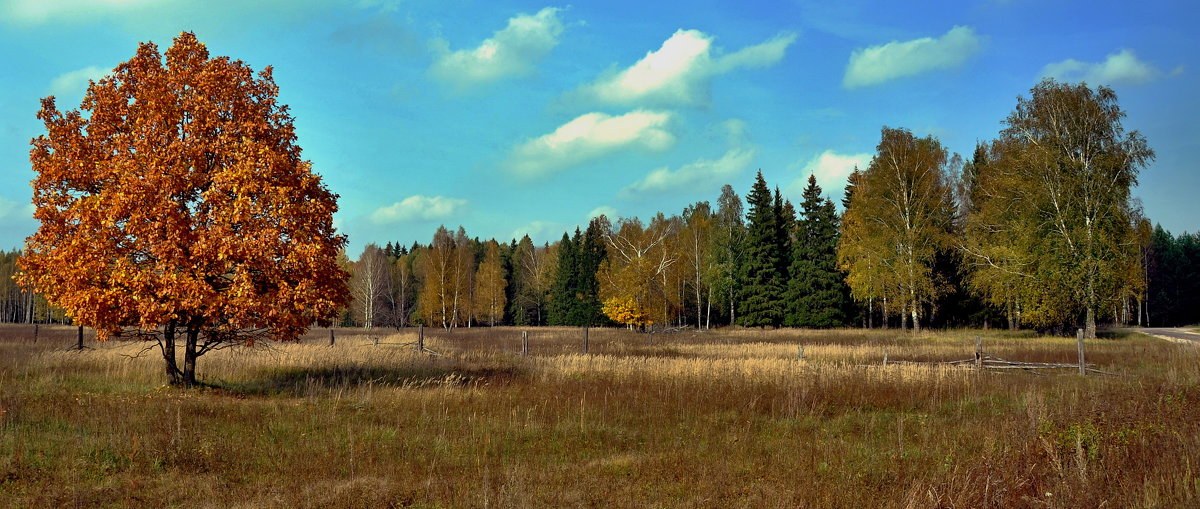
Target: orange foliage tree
x,y
179,208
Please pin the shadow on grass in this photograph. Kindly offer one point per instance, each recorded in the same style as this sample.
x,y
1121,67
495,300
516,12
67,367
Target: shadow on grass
x,y
311,381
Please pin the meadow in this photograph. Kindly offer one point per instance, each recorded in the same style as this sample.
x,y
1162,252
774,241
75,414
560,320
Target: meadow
x,y
730,418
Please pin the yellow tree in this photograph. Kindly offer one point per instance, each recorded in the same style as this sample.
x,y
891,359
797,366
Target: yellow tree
x,y
489,286
638,268
176,203
436,273
898,218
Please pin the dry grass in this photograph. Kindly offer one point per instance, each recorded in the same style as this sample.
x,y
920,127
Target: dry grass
x,y
720,419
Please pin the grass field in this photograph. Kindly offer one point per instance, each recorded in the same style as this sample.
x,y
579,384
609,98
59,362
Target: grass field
x,y
721,419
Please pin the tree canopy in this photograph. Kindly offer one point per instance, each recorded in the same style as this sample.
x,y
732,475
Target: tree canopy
x,y
177,201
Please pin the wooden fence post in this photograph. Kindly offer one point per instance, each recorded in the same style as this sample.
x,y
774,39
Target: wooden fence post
x,y
35,332
799,352
524,343
1079,343
331,336
585,339
978,352
421,338
885,357
79,342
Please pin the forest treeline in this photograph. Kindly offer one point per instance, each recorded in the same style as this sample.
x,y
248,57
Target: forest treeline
x,y
1037,229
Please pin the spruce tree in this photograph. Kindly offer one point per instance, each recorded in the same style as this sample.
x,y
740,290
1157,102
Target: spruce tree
x,y
763,286
591,253
562,290
816,293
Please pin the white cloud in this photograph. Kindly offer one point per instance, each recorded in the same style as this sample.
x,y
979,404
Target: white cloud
x,y
40,11
418,208
590,136
8,207
512,51
831,169
877,64
1120,67
704,174
603,210
540,231
75,82
680,71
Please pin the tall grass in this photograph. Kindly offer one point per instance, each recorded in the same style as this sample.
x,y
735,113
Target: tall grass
x,y
728,418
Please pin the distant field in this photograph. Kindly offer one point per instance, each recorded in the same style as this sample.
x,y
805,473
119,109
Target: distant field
x,y
721,419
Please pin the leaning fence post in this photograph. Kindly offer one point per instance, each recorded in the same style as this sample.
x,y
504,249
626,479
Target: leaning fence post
x,y
978,352
1079,343
421,338
524,343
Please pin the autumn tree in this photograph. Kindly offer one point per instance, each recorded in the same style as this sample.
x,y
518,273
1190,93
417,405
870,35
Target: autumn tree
x,y
636,270
489,286
899,218
1062,180
533,274
370,284
696,241
435,276
404,285
462,286
729,231
176,202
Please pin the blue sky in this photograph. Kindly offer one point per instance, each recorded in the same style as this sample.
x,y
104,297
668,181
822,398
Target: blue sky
x,y
528,117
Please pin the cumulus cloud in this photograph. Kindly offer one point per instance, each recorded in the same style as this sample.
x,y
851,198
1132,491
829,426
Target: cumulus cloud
x,y
1122,67
681,70
877,64
831,169
590,136
540,231
418,208
9,208
603,210
41,11
75,82
512,51
700,175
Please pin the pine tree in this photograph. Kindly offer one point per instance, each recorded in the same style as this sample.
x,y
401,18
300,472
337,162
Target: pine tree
x,y
591,253
566,281
816,292
763,286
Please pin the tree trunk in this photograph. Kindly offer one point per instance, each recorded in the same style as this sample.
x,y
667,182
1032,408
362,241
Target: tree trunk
x,y
708,311
1139,311
1090,324
189,356
168,351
